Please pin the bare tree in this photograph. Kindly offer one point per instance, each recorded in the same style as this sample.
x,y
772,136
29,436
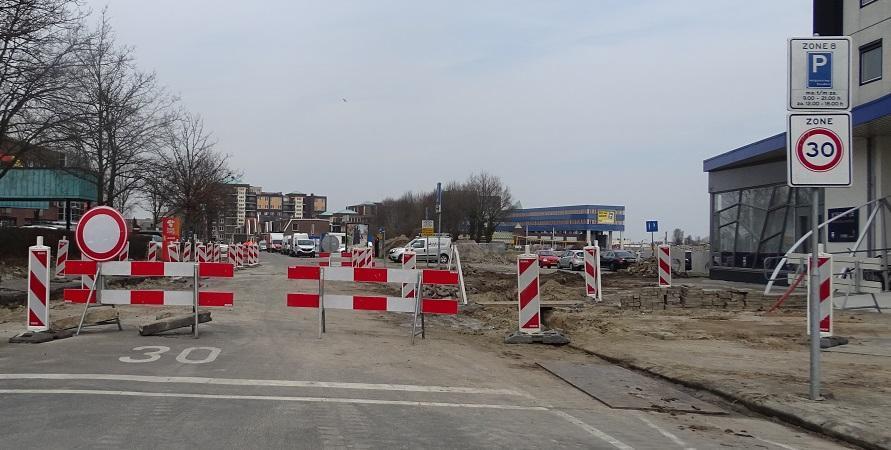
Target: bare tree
x,y
123,114
38,43
153,198
677,236
195,174
491,202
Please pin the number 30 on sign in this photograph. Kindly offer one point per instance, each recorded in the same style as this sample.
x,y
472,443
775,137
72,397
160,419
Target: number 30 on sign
x,y
818,150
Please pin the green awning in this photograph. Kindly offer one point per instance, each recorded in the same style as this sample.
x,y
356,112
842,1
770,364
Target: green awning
x,y
22,184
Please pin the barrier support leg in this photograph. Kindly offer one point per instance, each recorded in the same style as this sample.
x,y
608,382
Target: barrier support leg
x,y
195,300
321,301
414,321
83,316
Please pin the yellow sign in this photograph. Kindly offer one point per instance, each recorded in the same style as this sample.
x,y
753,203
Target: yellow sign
x,y
608,217
426,228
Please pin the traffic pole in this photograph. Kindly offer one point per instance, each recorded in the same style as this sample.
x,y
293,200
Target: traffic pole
x,y
814,303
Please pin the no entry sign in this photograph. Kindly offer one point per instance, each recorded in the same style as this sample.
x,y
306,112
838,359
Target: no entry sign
x,y
819,149
101,233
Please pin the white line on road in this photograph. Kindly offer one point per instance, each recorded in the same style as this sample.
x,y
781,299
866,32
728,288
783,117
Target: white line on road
x,y
362,401
663,431
251,382
787,447
593,431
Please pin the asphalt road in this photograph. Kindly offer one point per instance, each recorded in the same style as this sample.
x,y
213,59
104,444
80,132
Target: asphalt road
x,y
258,377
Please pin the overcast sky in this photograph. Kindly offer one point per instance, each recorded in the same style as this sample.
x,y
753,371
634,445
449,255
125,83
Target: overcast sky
x,y
569,102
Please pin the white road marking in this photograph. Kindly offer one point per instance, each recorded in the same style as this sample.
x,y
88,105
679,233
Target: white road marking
x,y
253,382
662,431
787,447
362,401
593,431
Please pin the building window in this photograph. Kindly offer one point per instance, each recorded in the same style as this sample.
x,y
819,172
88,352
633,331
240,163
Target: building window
x,y
871,62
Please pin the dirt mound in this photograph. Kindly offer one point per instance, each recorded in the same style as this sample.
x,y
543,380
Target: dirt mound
x,y
472,252
488,286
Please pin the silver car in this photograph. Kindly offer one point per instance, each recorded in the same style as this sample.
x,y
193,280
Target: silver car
x,y
572,260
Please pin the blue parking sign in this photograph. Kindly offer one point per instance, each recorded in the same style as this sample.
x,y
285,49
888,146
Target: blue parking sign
x,y
819,70
652,226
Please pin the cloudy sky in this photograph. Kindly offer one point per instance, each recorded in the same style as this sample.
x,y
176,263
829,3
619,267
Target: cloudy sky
x,y
605,102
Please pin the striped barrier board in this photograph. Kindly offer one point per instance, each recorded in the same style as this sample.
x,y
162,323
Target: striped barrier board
x,y
592,273
61,257
38,286
528,294
663,253
201,253
409,262
187,251
826,291
173,252
124,255
153,252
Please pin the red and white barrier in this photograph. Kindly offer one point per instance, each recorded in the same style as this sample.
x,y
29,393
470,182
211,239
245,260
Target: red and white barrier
x,y
239,255
201,253
363,257
38,286
826,291
528,294
342,259
124,255
255,253
229,254
187,251
417,305
592,273
153,252
151,297
409,262
61,257
173,252
663,255
215,252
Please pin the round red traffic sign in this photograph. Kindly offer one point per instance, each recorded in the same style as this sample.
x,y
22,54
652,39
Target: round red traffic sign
x,y
819,149
101,233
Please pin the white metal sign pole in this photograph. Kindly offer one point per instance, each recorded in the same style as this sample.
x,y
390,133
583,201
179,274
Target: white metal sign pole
x,y
814,304
818,148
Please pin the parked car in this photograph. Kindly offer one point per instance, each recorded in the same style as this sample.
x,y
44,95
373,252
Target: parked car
x,y
572,260
548,258
426,249
305,247
617,259
262,245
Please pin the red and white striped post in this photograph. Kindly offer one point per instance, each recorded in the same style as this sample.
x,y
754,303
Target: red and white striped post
x,y
592,273
214,252
409,262
663,259
124,255
153,249
229,254
61,257
38,286
826,289
187,251
239,255
200,253
528,294
173,252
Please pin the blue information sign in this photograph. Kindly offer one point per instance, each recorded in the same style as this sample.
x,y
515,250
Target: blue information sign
x,y
652,226
819,70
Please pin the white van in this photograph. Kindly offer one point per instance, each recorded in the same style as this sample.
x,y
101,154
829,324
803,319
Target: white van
x,y
428,249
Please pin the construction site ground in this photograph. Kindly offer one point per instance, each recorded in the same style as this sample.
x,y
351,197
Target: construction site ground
x,y
734,349
709,336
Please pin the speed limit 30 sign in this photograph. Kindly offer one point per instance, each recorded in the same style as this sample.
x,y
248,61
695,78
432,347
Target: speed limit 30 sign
x,y
819,149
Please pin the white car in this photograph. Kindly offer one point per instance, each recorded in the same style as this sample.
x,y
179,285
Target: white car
x,y
426,249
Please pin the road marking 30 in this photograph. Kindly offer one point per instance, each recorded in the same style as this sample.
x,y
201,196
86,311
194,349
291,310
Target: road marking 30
x,y
183,357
